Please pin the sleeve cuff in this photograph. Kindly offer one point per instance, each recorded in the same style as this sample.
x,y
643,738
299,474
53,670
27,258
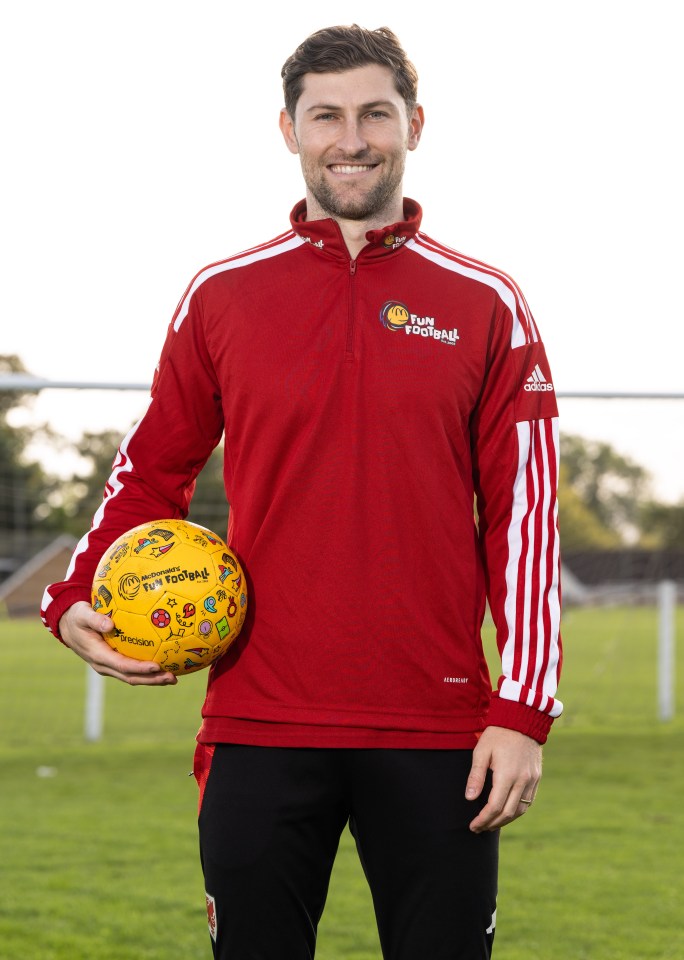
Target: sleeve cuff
x,y
518,716
58,606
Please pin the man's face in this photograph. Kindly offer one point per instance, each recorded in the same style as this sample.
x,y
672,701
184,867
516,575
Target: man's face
x,y
351,132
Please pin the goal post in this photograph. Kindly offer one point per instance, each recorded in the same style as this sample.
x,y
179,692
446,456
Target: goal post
x,y
666,590
667,603
94,706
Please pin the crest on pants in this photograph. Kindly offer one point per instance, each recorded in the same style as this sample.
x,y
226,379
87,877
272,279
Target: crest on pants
x,y
211,915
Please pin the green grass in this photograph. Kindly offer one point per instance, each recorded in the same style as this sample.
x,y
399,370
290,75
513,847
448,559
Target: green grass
x,y
98,859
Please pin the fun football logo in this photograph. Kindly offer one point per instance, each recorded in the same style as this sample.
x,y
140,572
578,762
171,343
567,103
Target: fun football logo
x,y
395,315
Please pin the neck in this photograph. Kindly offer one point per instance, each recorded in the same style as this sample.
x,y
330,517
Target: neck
x,y
354,231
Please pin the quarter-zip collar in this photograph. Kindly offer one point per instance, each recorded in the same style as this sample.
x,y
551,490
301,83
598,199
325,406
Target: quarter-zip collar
x,y
326,236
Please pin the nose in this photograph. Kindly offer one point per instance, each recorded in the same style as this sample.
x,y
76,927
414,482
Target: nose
x,y
351,140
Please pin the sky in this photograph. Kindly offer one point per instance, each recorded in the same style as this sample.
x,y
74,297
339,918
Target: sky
x,y
141,143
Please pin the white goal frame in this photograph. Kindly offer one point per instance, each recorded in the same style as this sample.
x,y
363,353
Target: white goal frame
x,y
667,590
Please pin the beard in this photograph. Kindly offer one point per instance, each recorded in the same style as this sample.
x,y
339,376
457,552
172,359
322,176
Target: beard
x,y
347,201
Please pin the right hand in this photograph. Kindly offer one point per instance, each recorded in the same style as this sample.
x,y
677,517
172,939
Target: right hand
x,y
81,630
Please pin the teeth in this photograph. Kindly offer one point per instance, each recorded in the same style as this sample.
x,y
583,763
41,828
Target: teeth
x,y
349,168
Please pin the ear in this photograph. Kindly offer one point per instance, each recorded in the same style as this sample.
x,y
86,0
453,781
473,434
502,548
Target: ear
x,y
288,131
416,124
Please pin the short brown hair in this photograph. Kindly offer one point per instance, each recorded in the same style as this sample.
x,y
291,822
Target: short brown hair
x,y
336,49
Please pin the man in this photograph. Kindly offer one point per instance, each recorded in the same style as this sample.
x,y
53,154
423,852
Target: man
x,y
370,382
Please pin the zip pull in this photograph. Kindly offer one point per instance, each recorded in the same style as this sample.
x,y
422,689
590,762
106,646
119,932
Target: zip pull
x,y
352,267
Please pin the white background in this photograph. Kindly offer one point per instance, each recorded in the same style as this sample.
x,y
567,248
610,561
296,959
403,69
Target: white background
x,y
140,143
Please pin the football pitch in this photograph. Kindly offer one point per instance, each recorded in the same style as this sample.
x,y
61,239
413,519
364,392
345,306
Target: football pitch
x,y
98,848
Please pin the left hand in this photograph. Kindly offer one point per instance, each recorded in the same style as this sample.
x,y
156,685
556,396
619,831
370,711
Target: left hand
x,y
515,761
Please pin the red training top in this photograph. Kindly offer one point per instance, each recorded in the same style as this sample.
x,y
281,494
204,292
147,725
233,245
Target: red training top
x,y
365,404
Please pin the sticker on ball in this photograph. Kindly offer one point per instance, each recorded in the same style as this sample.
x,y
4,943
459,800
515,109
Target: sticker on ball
x,y
176,593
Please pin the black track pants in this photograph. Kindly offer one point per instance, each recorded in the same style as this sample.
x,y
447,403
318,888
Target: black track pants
x,y
270,823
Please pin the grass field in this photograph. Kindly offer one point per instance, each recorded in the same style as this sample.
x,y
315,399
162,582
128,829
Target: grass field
x,y
98,857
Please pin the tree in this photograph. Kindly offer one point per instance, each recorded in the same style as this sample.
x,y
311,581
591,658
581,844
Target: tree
x,y
24,485
610,486
662,525
81,497
209,507
580,528
10,363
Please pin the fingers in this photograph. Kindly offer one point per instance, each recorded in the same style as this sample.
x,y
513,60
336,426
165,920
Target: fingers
x,y
103,659
476,777
515,762
80,617
81,629
504,806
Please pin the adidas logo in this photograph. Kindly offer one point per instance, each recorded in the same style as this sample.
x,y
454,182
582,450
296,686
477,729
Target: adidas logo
x,y
537,382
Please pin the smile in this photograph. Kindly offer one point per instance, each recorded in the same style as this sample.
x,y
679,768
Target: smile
x,y
348,168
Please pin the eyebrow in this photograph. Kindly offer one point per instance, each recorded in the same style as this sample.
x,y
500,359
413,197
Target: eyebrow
x,y
364,106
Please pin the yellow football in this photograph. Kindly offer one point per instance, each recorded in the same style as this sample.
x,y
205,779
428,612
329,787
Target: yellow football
x,y
176,593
